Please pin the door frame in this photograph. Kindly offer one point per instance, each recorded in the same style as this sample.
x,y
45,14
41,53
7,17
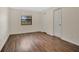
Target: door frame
x,y
61,22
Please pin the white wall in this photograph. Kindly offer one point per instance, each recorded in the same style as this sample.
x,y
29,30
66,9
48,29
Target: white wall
x,y
3,26
70,22
15,21
47,21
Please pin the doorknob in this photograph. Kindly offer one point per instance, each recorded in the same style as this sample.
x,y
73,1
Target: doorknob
x,y
59,24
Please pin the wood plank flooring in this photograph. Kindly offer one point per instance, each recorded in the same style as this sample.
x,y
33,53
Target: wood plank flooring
x,y
37,42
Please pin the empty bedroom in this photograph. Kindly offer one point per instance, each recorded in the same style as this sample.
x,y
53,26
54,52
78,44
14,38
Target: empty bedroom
x,y
39,29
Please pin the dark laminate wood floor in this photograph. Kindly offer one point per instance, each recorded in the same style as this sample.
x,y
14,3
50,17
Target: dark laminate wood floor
x,y
36,42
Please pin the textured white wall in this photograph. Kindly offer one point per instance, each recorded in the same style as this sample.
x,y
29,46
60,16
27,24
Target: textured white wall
x,y
15,21
70,22
3,26
47,21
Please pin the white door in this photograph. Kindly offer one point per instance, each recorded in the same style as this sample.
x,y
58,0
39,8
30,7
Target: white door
x,y
58,22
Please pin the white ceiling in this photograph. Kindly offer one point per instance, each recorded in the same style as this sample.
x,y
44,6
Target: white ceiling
x,y
31,8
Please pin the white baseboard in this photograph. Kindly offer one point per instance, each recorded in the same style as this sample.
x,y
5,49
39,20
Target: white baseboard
x,y
24,32
3,42
70,41
50,34
65,39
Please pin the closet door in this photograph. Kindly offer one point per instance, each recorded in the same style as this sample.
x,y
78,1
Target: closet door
x,y
58,22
